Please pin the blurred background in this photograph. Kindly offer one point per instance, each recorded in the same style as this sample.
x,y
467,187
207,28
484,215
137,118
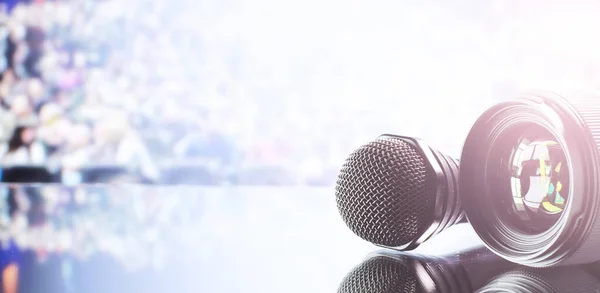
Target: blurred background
x,y
262,91
249,108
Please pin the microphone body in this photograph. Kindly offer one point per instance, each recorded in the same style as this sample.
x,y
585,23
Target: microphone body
x,y
397,192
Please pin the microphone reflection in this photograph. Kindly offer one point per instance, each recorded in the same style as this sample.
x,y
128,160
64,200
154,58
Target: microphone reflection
x,y
473,270
392,271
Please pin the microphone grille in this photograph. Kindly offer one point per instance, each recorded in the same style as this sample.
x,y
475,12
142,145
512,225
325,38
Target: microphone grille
x,y
379,275
385,193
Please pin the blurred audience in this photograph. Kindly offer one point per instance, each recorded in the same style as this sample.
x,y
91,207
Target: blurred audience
x,y
22,149
80,88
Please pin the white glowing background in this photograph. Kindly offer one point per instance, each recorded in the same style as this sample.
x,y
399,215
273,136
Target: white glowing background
x,y
346,71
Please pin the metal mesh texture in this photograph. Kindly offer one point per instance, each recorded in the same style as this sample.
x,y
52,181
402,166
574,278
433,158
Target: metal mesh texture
x,y
385,192
379,275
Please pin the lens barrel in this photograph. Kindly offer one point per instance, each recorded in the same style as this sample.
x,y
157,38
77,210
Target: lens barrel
x,y
488,196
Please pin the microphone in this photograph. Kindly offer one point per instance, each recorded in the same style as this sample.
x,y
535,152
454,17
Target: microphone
x,y
401,272
396,192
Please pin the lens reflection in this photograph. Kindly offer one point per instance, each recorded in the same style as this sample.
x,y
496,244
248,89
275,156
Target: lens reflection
x,y
539,181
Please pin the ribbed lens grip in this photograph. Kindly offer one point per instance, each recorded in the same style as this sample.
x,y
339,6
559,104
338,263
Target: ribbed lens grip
x,y
587,107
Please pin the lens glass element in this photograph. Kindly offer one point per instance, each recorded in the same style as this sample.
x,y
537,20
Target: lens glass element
x,y
539,180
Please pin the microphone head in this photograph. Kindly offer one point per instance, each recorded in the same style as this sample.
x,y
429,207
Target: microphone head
x,y
388,192
380,274
385,193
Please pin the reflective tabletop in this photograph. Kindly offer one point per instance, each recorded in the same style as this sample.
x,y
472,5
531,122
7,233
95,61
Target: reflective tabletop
x,y
136,238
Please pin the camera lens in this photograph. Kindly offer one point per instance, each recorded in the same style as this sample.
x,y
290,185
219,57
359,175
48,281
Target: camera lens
x,y
528,179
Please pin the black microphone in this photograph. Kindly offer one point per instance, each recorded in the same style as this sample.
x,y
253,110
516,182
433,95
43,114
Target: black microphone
x,y
397,192
401,272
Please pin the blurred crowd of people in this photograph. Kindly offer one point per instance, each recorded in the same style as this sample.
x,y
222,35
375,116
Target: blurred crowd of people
x,y
155,84
87,82
53,112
